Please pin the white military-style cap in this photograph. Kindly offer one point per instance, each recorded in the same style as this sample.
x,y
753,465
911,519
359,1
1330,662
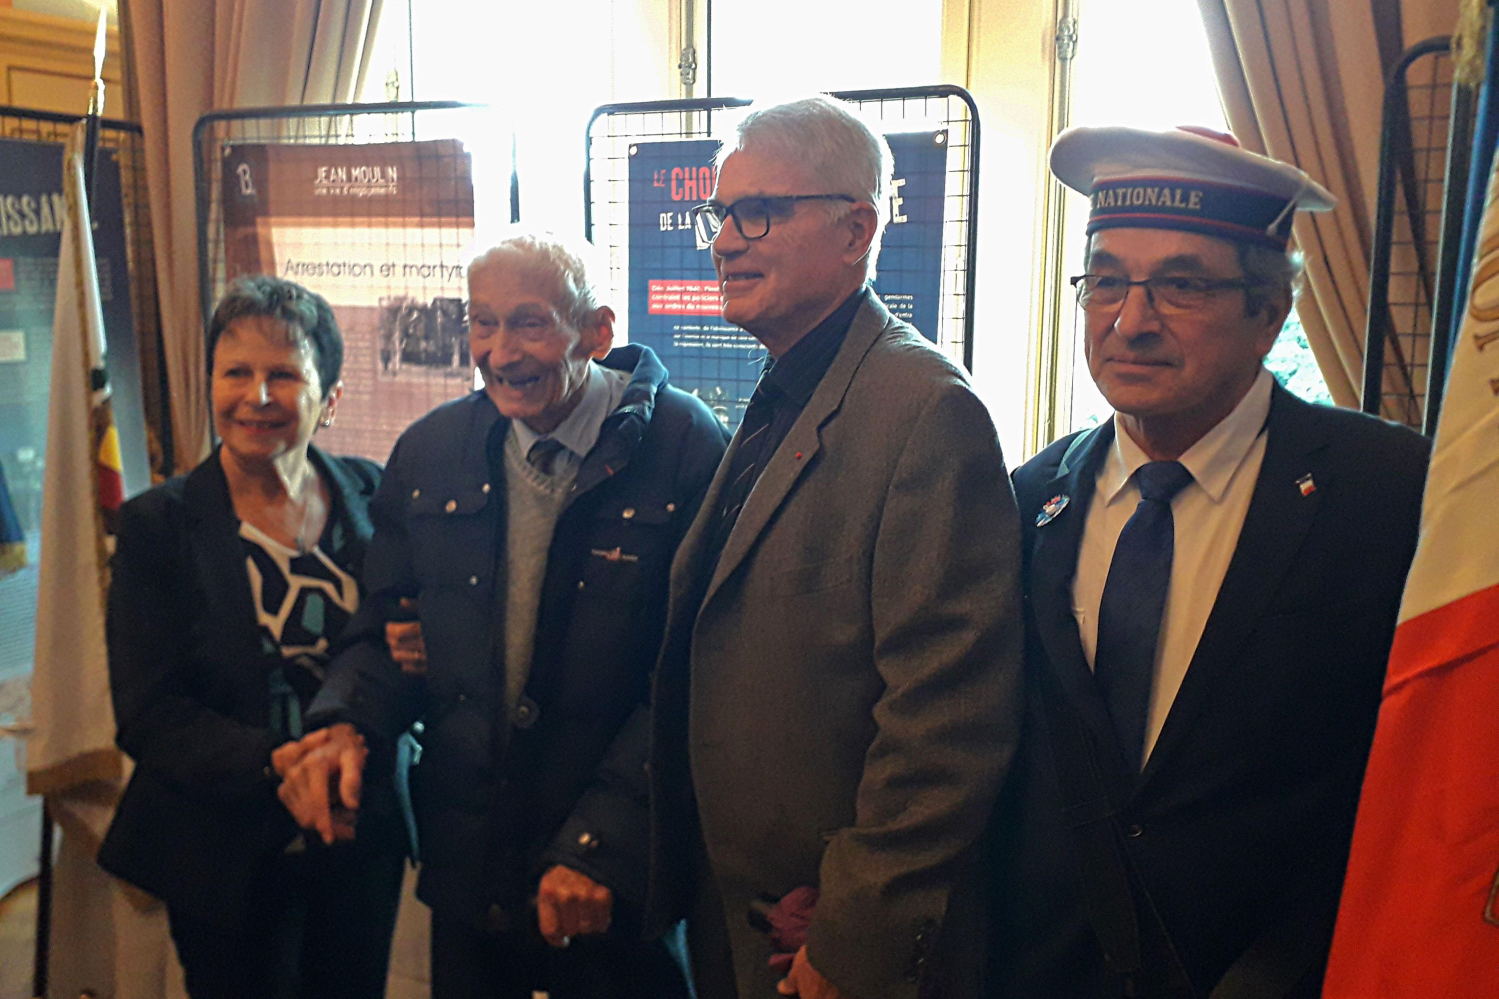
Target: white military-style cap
x,y
1189,178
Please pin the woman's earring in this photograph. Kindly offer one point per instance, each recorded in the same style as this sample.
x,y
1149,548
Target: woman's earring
x,y
327,421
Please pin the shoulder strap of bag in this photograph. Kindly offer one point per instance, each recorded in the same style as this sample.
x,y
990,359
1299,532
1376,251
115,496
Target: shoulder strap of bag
x,y
1092,819
1274,966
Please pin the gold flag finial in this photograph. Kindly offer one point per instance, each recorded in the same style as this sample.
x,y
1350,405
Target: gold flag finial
x,y
1468,40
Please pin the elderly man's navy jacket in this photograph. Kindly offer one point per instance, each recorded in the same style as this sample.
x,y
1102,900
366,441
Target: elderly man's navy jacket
x,y
497,802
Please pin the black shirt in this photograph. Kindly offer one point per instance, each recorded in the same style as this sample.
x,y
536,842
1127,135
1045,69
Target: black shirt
x,y
785,388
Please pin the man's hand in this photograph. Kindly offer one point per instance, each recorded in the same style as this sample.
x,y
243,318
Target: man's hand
x,y
806,981
338,755
569,904
405,641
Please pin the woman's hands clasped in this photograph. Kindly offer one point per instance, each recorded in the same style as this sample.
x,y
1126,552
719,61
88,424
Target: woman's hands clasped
x,y
322,773
321,777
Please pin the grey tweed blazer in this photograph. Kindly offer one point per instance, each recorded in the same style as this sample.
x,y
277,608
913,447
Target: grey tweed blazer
x,y
844,700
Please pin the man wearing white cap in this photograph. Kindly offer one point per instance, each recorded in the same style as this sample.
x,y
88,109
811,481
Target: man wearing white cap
x,y
1212,579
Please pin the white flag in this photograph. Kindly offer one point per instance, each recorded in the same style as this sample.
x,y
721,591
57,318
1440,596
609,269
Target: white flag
x,y
72,747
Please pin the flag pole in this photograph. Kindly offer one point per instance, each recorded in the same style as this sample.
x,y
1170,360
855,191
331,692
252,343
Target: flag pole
x,y
43,952
95,109
42,956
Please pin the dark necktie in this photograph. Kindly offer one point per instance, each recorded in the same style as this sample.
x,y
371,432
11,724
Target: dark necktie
x,y
543,454
749,460
1134,599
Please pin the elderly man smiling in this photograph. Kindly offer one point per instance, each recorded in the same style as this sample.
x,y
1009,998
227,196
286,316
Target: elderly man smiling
x,y
838,694
533,524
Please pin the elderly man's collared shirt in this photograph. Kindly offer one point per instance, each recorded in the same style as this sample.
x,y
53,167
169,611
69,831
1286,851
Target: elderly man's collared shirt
x,y
1209,514
535,494
784,390
580,431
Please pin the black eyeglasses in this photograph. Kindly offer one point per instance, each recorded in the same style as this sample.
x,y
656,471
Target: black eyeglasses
x,y
752,215
1101,292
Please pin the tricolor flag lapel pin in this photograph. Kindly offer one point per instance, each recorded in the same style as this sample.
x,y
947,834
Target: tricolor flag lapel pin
x,y
1051,508
1306,485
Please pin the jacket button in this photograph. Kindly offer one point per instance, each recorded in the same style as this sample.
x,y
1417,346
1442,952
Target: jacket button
x,y
526,713
415,493
495,921
473,580
671,508
1136,831
462,697
484,488
450,505
629,512
588,841
580,584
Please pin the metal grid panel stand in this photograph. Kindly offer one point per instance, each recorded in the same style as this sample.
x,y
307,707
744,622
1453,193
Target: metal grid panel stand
x,y
123,138
1424,148
216,134
387,259
614,128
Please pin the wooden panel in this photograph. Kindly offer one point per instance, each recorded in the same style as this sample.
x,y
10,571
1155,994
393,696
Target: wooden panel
x,y
43,91
46,63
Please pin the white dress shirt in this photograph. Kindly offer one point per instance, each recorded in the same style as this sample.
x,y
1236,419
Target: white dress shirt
x,y
1208,515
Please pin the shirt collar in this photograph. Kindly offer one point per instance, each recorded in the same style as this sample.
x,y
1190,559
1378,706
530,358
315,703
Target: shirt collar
x,y
798,372
580,431
1213,460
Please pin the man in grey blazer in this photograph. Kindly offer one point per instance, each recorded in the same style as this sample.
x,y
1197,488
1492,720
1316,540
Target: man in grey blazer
x,y
838,696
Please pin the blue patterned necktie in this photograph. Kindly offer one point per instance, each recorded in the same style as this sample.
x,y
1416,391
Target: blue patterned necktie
x,y
1134,599
749,460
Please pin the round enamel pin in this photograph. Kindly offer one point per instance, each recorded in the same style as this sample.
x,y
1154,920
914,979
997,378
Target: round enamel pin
x,y
1051,508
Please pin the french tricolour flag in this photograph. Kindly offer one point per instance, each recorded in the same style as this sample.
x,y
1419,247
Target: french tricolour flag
x,y
1420,908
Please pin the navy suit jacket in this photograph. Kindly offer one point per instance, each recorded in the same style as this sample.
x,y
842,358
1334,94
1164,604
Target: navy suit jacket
x,y
190,680
1245,809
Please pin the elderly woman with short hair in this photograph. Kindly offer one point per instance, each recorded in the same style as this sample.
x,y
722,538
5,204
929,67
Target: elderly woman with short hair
x,y
230,584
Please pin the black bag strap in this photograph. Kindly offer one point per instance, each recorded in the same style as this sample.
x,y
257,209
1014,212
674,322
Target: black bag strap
x,y
1278,961
1092,818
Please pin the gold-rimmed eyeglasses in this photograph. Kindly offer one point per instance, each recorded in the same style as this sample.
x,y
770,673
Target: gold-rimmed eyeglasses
x,y
1106,292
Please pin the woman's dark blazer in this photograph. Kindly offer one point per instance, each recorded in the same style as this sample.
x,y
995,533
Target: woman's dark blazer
x,y
190,680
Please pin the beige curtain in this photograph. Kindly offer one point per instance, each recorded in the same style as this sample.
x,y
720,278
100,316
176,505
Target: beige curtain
x,y
1283,70
190,57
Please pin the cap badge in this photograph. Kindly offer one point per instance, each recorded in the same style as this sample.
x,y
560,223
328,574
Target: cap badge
x,y
1051,508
